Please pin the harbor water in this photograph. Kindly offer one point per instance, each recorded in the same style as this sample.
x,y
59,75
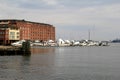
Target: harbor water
x,y
63,63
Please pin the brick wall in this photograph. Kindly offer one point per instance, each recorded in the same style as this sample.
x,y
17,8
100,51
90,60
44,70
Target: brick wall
x,y
35,31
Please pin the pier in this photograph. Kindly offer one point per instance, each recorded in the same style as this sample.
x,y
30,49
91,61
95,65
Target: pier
x,y
12,50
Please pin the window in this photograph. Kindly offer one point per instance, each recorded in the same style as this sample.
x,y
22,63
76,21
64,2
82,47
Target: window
x,y
13,37
12,33
17,33
17,36
2,33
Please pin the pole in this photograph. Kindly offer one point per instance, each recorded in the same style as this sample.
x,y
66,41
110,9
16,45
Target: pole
x,y
89,34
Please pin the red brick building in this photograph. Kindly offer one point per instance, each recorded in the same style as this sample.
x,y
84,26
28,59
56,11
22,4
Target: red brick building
x,y
13,30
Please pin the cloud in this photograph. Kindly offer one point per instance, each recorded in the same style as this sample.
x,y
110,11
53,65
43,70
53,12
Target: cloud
x,y
74,16
63,16
50,2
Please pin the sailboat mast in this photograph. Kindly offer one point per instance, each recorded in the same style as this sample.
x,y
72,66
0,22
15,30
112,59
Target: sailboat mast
x,y
89,34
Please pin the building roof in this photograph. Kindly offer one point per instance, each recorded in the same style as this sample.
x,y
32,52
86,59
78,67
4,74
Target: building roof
x,y
24,21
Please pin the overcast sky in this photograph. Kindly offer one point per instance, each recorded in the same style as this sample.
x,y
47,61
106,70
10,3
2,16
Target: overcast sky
x,y
73,19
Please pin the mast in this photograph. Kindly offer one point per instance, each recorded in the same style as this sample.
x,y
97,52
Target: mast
x,y
89,34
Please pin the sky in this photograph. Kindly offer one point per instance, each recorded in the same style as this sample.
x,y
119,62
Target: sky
x,y
73,19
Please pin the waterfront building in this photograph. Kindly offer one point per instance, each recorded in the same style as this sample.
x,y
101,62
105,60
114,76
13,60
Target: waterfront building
x,y
15,30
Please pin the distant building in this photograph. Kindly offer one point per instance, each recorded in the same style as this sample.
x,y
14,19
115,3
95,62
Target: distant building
x,y
14,30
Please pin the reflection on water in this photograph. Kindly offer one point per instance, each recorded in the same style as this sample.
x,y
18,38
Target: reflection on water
x,y
42,50
63,63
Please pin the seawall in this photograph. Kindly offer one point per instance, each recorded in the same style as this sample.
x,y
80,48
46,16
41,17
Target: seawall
x,y
11,50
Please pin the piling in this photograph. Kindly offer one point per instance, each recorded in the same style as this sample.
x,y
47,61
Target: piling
x,y
26,48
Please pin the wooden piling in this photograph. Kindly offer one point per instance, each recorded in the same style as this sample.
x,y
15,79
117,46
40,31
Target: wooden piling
x,y
26,48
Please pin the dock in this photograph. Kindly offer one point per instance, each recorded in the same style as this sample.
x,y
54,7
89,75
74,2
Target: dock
x,y
13,50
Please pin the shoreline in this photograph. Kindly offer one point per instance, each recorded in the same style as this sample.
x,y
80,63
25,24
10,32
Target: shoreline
x,y
12,50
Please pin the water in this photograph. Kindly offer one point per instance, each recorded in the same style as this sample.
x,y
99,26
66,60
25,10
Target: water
x,y
63,63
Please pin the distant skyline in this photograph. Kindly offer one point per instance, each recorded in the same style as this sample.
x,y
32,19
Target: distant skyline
x,y
73,19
